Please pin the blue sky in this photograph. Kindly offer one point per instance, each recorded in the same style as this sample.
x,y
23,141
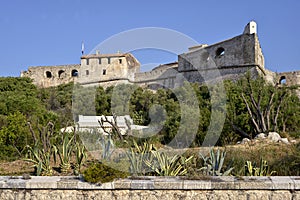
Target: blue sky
x,y
50,32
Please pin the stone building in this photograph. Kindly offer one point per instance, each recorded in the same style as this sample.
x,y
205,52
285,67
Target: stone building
x,y
48,76
229,59
107,69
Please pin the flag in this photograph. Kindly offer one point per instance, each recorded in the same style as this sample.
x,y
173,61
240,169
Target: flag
x,y
82,48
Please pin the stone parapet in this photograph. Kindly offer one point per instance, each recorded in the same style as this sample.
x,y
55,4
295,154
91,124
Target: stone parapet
x,y
148,187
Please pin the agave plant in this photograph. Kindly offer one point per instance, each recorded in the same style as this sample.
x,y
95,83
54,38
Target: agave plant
x,y
80,155
262,170
64,152
40,159
107,146
163,165
213,164
137,155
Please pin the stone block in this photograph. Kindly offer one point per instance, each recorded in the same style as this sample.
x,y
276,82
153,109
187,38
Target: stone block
x,y
142,184
67,184
282,183
296,180
223,182
197,184
253,183
122,184
168,183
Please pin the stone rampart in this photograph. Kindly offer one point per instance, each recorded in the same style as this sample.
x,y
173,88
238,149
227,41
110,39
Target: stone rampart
x,y
47,76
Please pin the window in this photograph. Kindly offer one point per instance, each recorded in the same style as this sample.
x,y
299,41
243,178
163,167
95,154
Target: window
x,y
48,74
104,72
87,61
108,60
220,52
74,73
99,61
282,80
87,72
60,73
120,61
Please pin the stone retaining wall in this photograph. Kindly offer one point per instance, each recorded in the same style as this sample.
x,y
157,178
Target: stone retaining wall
x,y
151,188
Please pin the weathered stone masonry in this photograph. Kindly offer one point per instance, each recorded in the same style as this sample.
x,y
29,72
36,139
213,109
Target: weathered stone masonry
x,y
229,59
172,188
47,76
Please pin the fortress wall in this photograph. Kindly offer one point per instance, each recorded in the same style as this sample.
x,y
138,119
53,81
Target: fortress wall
x,y
48,76
229,59
158,77
237,51
108,83
216,75
291,78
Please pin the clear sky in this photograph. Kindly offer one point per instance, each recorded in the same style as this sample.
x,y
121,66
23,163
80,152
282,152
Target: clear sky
x,y
50,32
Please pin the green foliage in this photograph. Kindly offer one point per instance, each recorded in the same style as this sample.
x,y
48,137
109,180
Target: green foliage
x,y
146,159
41,160
262,169
83,102
64,151
107,145
15,133
164,165
137,156
59,100
42,150
213,164
100,173
103,98
255,106
80,156
19,95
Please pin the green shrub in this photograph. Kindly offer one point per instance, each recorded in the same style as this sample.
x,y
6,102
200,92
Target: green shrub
x,y
100,173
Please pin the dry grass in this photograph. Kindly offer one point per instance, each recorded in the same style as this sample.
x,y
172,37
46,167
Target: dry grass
x,y
285,159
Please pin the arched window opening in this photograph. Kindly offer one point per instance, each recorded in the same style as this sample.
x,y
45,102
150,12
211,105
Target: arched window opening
x,y
48,74
220,52
74,73
282,80
60,73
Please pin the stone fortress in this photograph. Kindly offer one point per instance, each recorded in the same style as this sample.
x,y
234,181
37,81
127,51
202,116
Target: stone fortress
x,y
229,59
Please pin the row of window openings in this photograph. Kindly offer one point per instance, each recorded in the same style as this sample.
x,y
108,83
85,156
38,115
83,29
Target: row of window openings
x,y
74,73
87,72
108,61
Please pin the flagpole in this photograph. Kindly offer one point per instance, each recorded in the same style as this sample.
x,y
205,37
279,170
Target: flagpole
x,y
82,48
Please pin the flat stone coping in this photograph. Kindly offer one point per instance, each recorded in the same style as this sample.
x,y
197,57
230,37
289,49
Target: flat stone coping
x,y
153,183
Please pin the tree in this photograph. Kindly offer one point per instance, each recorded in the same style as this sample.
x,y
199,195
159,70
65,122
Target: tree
x,y
256,106
15,134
